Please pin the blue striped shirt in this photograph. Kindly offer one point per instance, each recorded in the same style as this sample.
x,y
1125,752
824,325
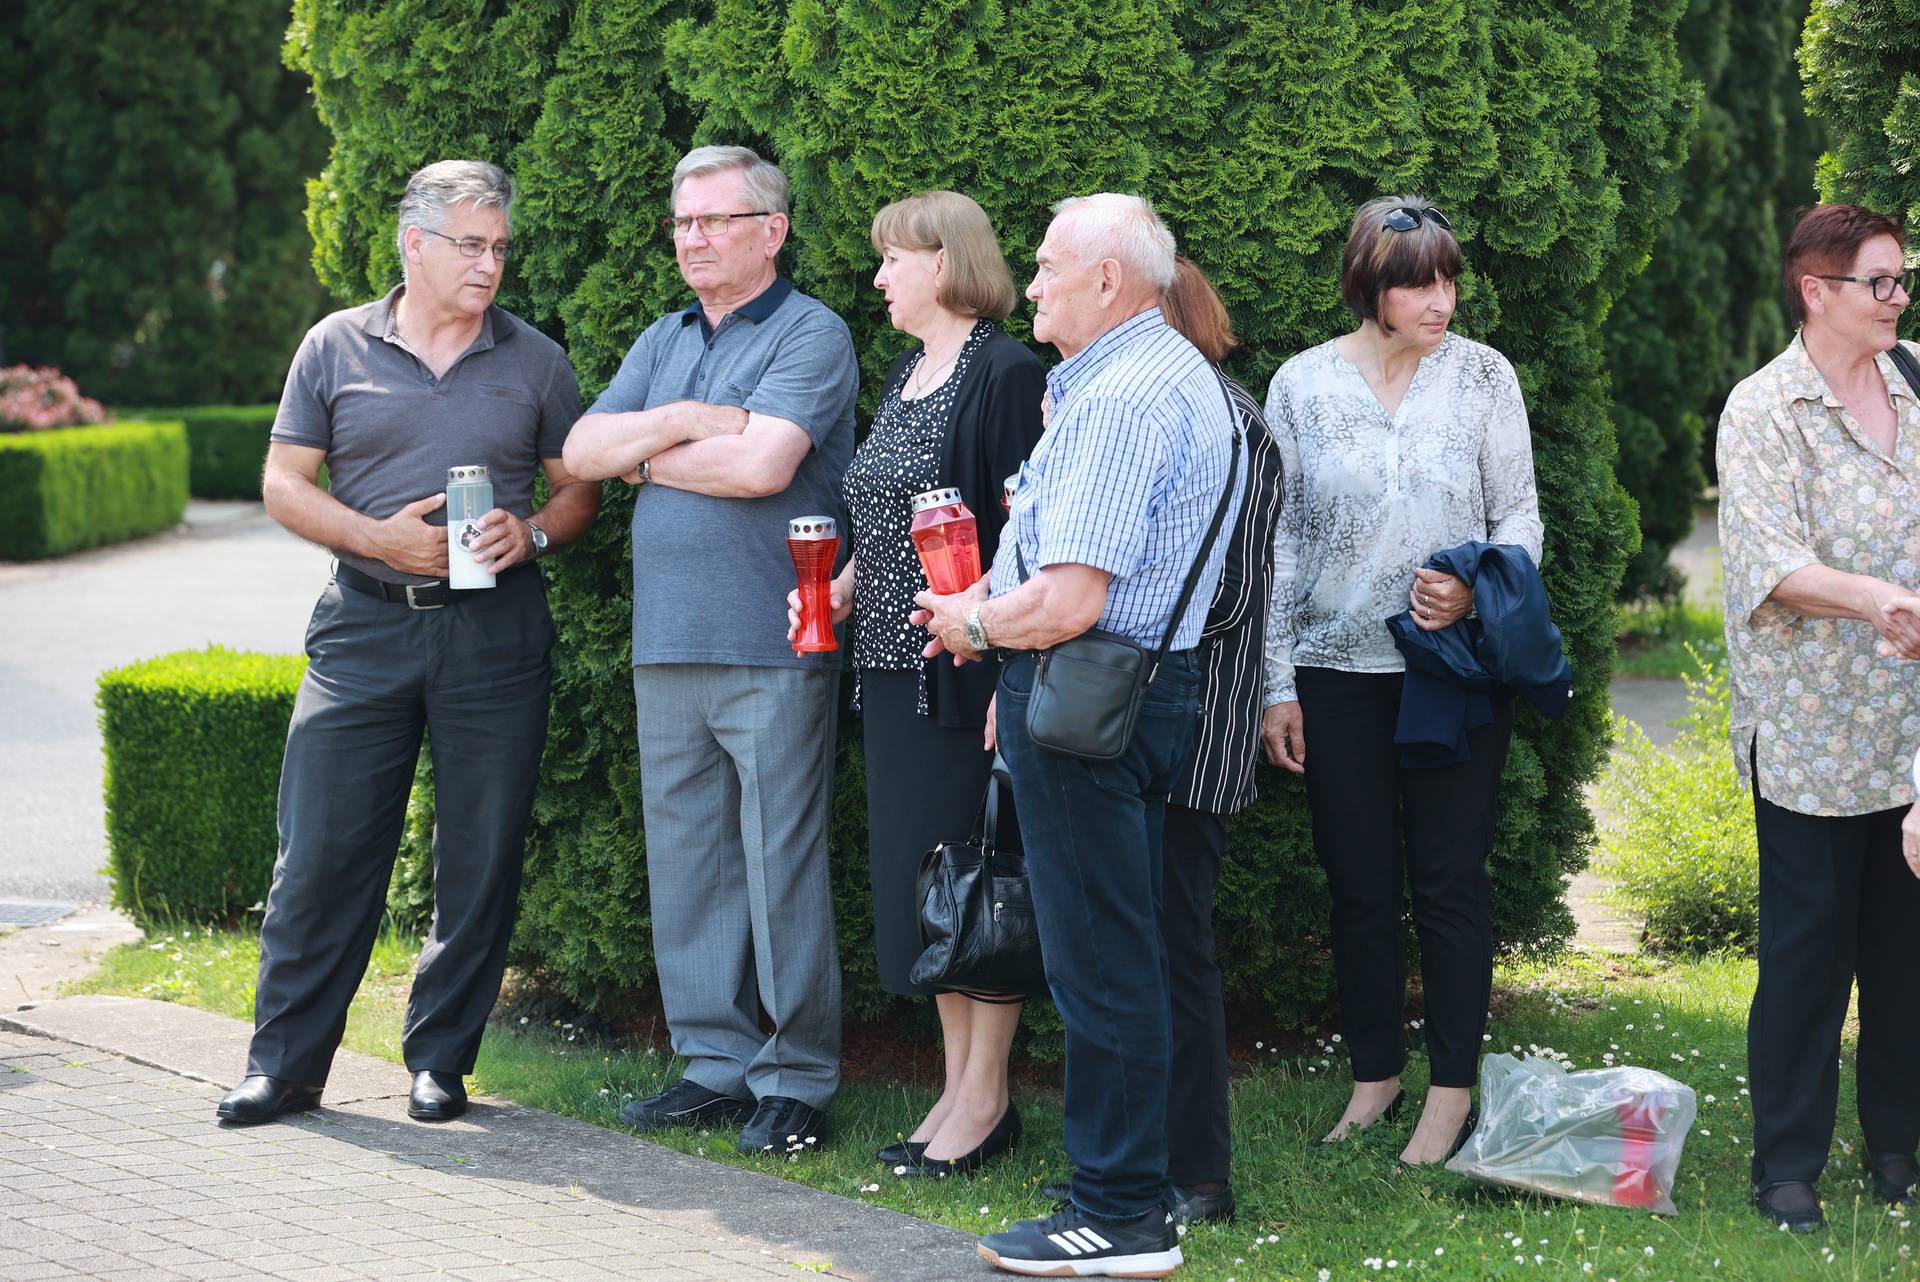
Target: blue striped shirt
x,y
1126,478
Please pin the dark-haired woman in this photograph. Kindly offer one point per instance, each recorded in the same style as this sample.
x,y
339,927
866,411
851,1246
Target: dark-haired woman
x,y
1819,455
1397,441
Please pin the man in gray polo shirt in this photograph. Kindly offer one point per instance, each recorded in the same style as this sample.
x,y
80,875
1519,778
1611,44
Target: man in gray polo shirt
x,y
733,416
389,396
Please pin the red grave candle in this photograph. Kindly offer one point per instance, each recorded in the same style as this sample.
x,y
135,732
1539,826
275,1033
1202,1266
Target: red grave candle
x,y
947,539
814,543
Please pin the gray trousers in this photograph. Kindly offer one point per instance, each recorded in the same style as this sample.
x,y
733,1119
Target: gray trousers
x,y
736,775
474,677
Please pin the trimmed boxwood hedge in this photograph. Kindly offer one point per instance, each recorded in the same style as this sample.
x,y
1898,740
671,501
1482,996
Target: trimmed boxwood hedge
x,y
226,446
78,487
193,746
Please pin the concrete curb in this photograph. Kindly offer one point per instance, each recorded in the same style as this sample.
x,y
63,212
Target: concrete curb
x,y
365,1105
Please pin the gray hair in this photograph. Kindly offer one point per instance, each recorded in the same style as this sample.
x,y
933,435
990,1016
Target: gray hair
x,y
764,186
1124,228
438,187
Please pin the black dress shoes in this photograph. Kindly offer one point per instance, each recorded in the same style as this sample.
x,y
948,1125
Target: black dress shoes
x,y
1791,1204
902,1151
261,1099
782,1125
685,1103
1190,1206
1893,1175
436,1097
1004,1135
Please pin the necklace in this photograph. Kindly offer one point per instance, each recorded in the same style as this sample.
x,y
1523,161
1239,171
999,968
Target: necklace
x,y
923,381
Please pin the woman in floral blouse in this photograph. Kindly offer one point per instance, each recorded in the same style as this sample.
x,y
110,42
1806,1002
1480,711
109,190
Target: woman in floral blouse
x,y
1397,441
1820,530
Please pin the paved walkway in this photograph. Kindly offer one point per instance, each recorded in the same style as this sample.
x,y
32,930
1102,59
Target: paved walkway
x,y
228,575
112,1166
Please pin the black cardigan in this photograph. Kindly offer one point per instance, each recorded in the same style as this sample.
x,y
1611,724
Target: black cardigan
x,y
994,424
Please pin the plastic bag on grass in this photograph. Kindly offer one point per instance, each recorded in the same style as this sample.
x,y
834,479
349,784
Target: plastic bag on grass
x,y
1606,1135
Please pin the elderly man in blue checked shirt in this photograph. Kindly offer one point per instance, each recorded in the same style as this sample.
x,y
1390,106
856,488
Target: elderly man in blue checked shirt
x,y
1111,512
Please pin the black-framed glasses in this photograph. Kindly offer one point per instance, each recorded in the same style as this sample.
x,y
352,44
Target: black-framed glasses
x,y
711,225
1883,286
1407,217
473,246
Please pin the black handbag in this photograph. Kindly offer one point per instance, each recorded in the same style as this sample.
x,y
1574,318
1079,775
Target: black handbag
x,y
976,914
1087,690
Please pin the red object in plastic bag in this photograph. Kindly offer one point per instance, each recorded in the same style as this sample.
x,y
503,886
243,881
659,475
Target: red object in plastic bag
x,y
1633,1184
947,539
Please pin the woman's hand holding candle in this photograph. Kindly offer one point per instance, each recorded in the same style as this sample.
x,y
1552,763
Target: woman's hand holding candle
x,y
839,595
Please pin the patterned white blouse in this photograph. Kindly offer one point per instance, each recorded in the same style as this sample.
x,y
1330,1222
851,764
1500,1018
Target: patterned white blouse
x,y
1369,497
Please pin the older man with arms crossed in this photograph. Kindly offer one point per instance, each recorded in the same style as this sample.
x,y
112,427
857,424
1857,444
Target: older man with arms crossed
x,y
733,416
1112,512
388,396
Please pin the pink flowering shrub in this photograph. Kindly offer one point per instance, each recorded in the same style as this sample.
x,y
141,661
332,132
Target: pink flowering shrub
x,y
33,400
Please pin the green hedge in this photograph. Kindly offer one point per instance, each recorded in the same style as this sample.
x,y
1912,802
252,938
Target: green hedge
x,y
78,487
1553,135
226,446
193,745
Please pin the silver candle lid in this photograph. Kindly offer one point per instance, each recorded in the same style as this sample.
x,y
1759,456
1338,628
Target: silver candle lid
x,y
466,475
1011,485
935,498
813,527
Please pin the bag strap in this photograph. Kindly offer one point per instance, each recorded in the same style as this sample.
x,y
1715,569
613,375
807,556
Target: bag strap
x,y
986,824
1213,533
1906,363
1206,546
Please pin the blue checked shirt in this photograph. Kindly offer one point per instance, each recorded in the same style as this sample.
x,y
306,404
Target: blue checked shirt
x,y
1126,479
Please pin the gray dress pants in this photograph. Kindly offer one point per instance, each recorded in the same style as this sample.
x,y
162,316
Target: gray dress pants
x,y
474,676
736,776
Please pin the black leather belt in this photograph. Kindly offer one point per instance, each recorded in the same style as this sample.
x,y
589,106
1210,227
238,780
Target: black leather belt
x,y
416,596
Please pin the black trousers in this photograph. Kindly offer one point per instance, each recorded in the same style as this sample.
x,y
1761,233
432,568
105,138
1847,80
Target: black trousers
x,y
474,676
924,786
1837,904
1376,824
1198,1145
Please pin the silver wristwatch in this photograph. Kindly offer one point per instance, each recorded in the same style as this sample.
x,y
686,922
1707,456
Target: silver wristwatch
x,y
976,631
539,538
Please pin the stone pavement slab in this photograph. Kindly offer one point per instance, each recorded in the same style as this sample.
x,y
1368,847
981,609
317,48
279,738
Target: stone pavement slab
x,y
110,1162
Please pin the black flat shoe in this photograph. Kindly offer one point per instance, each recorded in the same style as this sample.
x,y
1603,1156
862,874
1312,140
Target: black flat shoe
x,y
436,1097
901,1152
1389,1114
1189,1207
1792,1205
1894,1175
1004,1135
261,1099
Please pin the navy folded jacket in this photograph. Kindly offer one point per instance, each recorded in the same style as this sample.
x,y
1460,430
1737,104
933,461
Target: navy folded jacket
x,y
1510,644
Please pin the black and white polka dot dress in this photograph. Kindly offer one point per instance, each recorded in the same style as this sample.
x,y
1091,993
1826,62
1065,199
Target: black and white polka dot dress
x,y
899,459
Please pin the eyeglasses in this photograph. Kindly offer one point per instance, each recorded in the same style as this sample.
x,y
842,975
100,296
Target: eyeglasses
x,y
1407,217
711,225
1882,286
473,246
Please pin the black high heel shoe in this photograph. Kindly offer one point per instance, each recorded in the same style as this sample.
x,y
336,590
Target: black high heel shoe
x,y
1389,1114
1004,1135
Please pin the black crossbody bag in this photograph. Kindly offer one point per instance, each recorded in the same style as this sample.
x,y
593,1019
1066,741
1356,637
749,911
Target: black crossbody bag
x,y
1903,360
1087,690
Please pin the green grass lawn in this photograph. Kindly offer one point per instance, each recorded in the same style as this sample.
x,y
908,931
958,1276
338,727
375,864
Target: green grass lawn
x,y
1350,1210
1653,637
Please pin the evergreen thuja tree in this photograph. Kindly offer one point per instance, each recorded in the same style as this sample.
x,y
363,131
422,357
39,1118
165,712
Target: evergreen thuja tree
x,y
154,162
1861,62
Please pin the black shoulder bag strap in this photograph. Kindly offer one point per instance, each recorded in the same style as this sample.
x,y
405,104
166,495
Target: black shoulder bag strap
x,y
1906,363
1206,546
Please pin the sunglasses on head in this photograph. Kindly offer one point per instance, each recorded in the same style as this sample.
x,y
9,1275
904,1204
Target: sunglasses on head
x,y
1407,217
